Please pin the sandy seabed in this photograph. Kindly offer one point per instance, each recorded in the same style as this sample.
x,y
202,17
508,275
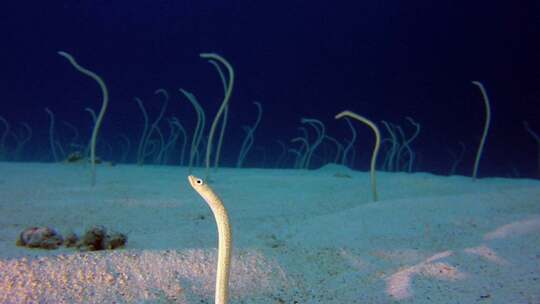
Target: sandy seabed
x,y
299,236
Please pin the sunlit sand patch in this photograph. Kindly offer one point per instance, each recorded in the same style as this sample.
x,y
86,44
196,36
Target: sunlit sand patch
x,y
131,276
486,253
514,229
398,285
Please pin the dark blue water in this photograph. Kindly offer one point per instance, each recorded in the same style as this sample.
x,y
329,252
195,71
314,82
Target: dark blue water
x,y
383,59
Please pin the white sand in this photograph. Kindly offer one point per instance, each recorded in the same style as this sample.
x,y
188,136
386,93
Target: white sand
x,y
304,236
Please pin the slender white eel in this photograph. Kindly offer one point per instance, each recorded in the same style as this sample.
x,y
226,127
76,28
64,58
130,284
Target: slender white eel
x,y
224,235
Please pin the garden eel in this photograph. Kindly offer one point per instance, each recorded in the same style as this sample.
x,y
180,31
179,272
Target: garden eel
x,y
375,129
486,127
224,237
105,102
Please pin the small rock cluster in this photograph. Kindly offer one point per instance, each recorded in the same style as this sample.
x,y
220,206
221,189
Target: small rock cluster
x,y
95,238
76,157
40,237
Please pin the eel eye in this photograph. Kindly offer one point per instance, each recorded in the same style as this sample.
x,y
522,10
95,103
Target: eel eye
x,y
199,181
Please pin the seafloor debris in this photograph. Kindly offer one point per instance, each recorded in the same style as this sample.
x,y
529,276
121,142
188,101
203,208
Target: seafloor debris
x,y
95,238
78,157
74,157
340,174
40,237
71,240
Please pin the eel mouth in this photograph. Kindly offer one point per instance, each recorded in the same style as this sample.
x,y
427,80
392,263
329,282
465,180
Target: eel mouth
x,y
192,180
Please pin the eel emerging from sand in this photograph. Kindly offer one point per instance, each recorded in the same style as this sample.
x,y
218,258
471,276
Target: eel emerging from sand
x,y
224,234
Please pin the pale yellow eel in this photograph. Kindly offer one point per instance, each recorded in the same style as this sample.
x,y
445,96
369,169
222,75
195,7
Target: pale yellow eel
x,y
375,129
224,235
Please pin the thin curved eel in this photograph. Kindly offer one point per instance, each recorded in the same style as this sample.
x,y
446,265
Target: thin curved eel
x,y
224,237
104,105
375,129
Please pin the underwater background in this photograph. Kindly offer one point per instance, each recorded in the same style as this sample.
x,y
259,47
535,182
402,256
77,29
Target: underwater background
x,y
385,60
